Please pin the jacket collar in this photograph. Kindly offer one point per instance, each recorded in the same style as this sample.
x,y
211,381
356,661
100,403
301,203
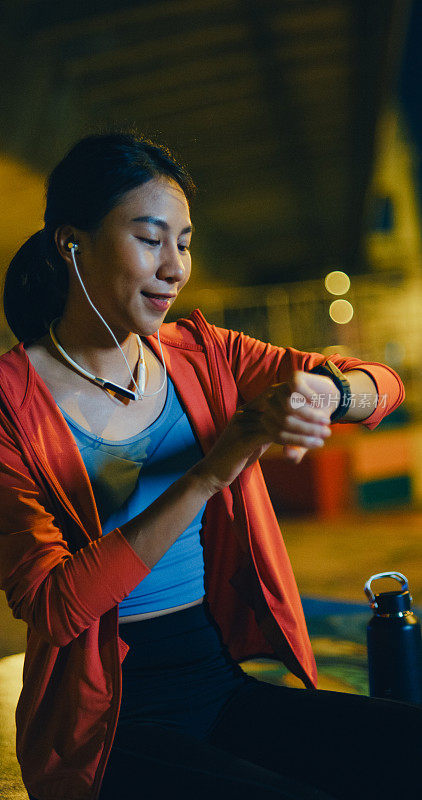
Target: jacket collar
x,y
189,354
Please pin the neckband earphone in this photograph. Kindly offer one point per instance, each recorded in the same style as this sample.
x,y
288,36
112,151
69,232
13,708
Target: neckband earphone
x,y
103,382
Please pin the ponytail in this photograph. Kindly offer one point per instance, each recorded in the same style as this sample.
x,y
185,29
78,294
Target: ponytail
x,y
35,289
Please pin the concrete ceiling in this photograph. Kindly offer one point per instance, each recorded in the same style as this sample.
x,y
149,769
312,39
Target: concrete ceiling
x,y
272,105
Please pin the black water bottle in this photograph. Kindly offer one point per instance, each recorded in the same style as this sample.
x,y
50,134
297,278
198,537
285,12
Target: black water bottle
x,y
394,643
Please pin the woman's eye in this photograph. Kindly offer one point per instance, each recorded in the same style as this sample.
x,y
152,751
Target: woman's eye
x,y
149,241
154,242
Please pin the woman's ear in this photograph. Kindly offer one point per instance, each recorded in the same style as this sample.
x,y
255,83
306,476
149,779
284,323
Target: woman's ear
x,y
64,236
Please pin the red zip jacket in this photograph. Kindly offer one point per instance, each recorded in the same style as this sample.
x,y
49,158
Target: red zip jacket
x,y
66,580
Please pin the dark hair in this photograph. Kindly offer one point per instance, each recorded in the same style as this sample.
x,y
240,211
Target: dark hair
x,y
88,183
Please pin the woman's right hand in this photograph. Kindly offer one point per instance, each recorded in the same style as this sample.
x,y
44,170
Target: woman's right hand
x,y
285,414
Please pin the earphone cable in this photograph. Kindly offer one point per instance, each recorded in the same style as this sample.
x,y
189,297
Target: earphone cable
x,y
140,389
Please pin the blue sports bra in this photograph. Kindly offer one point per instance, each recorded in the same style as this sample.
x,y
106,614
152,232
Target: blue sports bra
x,y
126,477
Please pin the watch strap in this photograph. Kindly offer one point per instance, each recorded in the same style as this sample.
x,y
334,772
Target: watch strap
x,y
339,379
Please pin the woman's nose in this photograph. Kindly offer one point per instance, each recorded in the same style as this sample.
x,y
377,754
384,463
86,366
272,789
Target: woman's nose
x,y
172,264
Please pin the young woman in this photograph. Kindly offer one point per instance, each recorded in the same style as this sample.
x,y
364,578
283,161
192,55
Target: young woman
x,y
138,540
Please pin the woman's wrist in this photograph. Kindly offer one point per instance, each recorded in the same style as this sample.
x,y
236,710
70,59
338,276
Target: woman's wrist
x,y
364,399
357,396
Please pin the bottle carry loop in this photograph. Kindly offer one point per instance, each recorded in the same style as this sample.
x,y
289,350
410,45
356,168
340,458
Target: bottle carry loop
x,y
396,575
390,604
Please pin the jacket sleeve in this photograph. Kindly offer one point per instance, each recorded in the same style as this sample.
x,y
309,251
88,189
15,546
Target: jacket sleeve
x,y
257,365
56,592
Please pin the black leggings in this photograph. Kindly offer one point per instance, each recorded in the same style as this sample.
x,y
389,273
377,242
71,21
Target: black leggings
x,y
193,724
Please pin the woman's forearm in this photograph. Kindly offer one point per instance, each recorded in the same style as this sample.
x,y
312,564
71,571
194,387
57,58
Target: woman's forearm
x,y
364,396
268,418
248,434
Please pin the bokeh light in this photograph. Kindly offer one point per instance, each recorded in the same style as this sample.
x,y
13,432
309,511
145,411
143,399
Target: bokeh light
x,y
337,282
341,311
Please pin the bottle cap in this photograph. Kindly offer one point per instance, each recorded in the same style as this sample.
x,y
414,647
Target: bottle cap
x,y
392,602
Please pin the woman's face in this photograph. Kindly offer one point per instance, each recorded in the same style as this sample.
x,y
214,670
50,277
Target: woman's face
x,y
140,249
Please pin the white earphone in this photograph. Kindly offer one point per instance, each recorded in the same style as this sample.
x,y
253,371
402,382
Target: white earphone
x,y
106,384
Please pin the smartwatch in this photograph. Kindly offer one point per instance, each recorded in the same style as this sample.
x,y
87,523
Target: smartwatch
x,y
331,371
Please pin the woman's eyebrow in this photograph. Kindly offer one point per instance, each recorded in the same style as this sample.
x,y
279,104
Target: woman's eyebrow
x,y
161,223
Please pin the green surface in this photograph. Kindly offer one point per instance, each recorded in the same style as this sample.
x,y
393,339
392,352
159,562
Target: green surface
x,y
385,493
339,645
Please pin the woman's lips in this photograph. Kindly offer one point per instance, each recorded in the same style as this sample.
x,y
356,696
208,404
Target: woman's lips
x,y
160,303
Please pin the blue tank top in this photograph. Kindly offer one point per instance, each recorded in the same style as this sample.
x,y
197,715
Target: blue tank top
x,y
126,477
